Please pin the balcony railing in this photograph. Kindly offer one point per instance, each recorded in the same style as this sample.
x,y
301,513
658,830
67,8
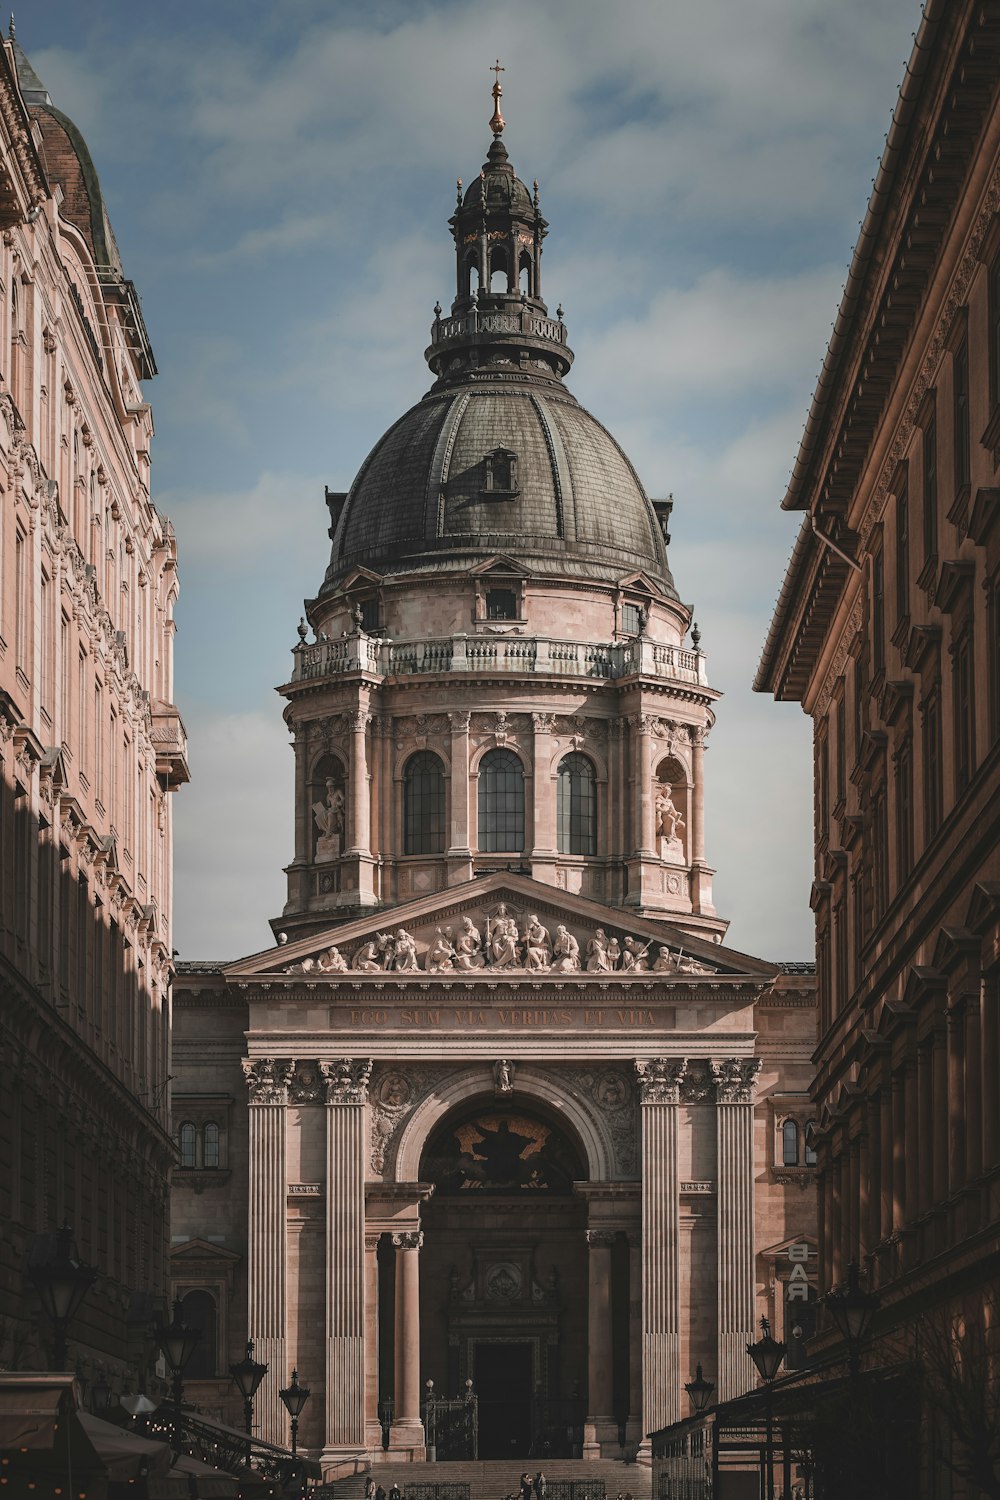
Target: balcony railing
x,y
525,324
528,654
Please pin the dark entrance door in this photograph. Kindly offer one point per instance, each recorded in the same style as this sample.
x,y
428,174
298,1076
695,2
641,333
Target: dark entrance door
x,y
502,1376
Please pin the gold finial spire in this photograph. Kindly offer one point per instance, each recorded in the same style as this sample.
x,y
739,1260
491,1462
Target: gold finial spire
x,y
498,122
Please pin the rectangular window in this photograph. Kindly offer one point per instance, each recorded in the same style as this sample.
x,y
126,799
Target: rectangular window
x,y
858,897
902,556
64,683
631,619
878,613
47,623
823,778
842,978
98,742
930,488
371,616
904,810
880,854
841,749
994,333
501,604
993,655
21,601
81,728
964,712
932,763
961,394
112,808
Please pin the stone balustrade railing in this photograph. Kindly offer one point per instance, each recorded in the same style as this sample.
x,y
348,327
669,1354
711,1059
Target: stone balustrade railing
x,y
526,323
537,654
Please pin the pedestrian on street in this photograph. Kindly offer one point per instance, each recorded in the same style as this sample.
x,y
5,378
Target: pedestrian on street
x,y
540,1486
369,1488
380,1493
525,1486
395,1493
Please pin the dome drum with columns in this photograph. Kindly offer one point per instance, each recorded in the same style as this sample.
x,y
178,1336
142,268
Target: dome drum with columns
x,y
500,1095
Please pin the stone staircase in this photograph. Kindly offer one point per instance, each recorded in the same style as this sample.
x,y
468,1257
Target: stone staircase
x,y
493,1480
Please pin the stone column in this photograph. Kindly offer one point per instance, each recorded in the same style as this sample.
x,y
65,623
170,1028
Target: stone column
x,y
697,795
912,1118
956,1096
634,1430
373,1429
459,853
898,1148
973,1087
407,1430
989,1062
659,1083
645,837
885,1137
735,1079
346,1081
600,1357
267,1083
939,1070
358,834
543,852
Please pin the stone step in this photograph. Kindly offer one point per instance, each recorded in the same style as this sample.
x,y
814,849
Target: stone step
x,y
494,1479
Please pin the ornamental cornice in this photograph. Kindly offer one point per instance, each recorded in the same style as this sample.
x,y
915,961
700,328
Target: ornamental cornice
x,y
346,1079
660,1079
267,1078
735,1079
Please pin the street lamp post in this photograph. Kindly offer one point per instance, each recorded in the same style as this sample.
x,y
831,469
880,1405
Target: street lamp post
x,y
248,1374
700,1391
767,1354
852,1309
430,1422
295,1397
62,1280
177,1343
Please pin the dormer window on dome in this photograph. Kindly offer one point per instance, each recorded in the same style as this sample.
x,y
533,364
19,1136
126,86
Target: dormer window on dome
x,y
501,474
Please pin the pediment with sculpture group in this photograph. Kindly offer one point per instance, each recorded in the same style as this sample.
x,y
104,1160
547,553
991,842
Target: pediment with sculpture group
x,y
501,926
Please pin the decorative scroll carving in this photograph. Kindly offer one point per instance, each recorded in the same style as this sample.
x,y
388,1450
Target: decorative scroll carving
x,y
409,1239
267,1078
698,1084
543,723
346,1079
600,1239
503,1076
392,1096
735,1079
660,1079
459,722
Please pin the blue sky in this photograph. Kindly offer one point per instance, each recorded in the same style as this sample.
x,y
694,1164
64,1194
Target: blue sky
x,y
279,178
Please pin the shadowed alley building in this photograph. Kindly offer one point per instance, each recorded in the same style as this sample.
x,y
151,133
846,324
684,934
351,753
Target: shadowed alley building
x,y
500,1109
90,746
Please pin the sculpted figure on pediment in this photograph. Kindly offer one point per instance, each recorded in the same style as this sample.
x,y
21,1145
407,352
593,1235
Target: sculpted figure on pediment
x,y
565,952
441,953
469,947
597,953
405,953
502,940
537,945
370,957
635,956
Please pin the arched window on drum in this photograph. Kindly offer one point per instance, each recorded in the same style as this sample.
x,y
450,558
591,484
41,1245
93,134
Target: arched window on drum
x,y
501,803
423,805
576,806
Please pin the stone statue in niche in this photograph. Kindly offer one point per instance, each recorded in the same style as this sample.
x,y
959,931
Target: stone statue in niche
x,y
329,815
565,952
503,1077
669,824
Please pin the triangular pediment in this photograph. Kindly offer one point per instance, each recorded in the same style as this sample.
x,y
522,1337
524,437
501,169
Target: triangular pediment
x,y
487,924
202,1250
501,565
359,578
641,583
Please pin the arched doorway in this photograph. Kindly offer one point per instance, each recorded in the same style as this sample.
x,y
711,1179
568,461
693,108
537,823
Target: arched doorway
x,y
504,1274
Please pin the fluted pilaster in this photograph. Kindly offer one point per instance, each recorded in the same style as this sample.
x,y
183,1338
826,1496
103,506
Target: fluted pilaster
x,y
346,1082
659,1083
267,1083
734,1085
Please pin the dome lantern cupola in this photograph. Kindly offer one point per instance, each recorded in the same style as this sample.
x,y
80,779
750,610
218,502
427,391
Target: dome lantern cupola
x,y
498,315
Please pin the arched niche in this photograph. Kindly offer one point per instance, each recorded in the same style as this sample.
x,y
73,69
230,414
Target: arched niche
x,y
535,1093
327,802
672,809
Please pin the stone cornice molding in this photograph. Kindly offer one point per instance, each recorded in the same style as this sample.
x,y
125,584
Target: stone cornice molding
x,y
346,1079
660,1079
267,1078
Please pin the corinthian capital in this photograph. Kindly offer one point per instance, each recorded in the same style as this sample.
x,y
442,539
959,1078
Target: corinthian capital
x,y
346,1079
660,1079
267,1078
735,1079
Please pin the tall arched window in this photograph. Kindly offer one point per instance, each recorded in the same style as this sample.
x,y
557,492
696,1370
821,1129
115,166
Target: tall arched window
x,y
189,1145
501,803
576,806
198,1311
810,1152
423,805
790,1144
211,1153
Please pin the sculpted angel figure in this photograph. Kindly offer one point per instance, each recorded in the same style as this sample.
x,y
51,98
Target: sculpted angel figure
x,y
469,946
440,954
597,953
368,958
565,951
614,953
405,957
537,944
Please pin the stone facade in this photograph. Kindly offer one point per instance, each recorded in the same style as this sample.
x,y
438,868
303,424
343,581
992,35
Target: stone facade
x,y
90,746
888,633
501,1109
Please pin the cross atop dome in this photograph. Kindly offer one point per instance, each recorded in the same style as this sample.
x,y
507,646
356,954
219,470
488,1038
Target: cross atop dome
x,y
498,122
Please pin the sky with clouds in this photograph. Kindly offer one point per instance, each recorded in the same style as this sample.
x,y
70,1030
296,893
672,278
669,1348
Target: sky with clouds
x,y
279,176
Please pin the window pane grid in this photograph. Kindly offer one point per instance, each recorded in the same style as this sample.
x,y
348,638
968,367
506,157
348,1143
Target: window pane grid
x,y
576,806
423,805
501,803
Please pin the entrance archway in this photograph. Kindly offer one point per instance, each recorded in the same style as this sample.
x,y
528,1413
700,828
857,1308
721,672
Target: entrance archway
x,y
504,1274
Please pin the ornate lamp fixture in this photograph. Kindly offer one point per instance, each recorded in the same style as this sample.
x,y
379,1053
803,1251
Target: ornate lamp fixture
x,y
248,1374
100,1394
295,1397
700,1390
852,1309
62,1281
767,1355
177,1343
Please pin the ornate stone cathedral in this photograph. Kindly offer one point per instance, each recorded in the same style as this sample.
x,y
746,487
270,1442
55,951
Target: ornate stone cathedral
x,y
499,1110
